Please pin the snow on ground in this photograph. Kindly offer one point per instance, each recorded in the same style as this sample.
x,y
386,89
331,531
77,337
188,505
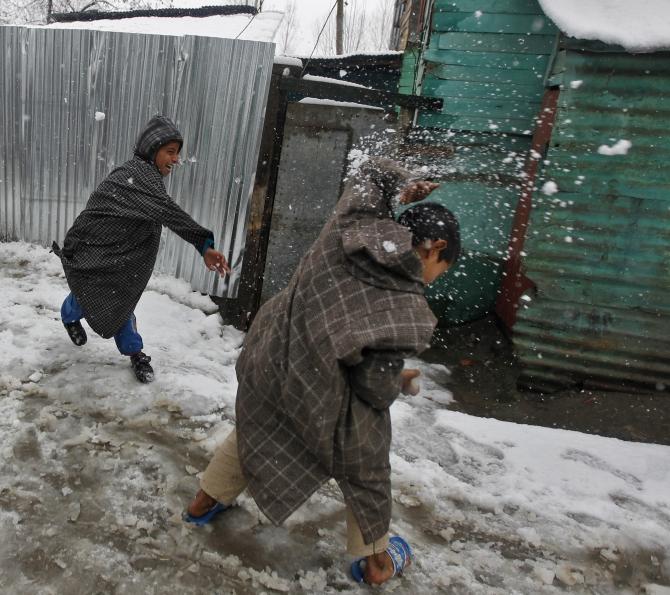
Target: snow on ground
x,y
97,468
637,25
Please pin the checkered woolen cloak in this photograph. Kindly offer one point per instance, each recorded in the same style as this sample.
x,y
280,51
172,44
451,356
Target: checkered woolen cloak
x,y
110,251
321,363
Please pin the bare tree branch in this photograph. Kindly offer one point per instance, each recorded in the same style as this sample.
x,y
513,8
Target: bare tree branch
x,y
367,27
288,28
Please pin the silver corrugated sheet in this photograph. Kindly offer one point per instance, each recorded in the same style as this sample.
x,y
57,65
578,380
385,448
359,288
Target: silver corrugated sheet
x,y
54,149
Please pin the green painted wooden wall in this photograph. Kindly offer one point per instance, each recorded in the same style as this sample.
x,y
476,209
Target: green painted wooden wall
x,y
487,59
408,72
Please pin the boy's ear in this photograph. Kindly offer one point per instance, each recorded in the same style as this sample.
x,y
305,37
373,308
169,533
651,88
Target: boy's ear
x,y
439,245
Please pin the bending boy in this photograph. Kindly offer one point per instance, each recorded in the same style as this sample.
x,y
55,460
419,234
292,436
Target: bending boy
x,y
110,251
323,362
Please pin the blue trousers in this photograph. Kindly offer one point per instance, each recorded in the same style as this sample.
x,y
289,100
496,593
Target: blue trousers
x,y
128,340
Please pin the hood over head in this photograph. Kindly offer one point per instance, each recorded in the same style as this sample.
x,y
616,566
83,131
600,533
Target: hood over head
x,y
159,131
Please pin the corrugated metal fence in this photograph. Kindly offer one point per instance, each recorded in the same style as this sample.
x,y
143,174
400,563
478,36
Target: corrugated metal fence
x,y
599,249
55,144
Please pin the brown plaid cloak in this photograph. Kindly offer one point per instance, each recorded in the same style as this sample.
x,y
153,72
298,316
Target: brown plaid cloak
x,y
321,363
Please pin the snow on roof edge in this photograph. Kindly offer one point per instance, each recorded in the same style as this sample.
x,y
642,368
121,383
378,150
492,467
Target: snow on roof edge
x,y
261,27
637,26
200,11
371,54
288,61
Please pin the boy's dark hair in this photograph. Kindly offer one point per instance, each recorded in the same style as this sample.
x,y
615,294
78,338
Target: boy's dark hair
x,y
430,221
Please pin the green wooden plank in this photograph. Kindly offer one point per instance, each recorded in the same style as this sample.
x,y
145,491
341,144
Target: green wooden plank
x,y
407,82
535,62
493,23
481,161
497,42
434,87
480,144
506,6
484,75
474,124
490,108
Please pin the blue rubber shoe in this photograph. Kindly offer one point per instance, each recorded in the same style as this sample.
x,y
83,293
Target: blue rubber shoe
x,y
400,553
206,518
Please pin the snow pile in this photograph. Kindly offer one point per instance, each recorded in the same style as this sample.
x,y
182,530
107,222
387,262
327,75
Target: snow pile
x,y
637,25
96,469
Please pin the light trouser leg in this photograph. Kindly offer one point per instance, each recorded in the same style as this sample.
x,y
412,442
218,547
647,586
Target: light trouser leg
x,y
355,544
128,340
223,479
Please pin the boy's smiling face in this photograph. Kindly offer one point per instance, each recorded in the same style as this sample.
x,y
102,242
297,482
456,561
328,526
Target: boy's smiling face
x,y
166,157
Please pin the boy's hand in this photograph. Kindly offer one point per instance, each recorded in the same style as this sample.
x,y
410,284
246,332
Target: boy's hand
x,y
215,261
416,191
408,383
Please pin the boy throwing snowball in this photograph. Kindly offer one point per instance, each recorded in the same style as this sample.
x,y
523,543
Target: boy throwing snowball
x,y
323,362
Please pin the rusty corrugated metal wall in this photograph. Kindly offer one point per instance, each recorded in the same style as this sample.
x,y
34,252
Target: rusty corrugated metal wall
x,y
599,249
54,150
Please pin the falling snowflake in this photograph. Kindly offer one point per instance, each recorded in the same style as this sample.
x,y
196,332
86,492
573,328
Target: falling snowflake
x,y
549,188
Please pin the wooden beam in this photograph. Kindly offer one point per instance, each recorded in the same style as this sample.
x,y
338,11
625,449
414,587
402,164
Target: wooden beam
x,y
362,95
515,282
240,311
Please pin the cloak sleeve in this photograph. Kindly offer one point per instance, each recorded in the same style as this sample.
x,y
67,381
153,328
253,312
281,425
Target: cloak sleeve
x,y
172,216
370,191
145,196
376,379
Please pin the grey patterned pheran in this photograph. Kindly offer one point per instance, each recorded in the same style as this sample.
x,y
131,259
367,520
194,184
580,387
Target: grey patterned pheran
x,y
110,250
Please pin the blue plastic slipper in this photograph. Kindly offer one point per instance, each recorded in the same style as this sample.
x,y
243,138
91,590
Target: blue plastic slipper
x,y
206,518
400,553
